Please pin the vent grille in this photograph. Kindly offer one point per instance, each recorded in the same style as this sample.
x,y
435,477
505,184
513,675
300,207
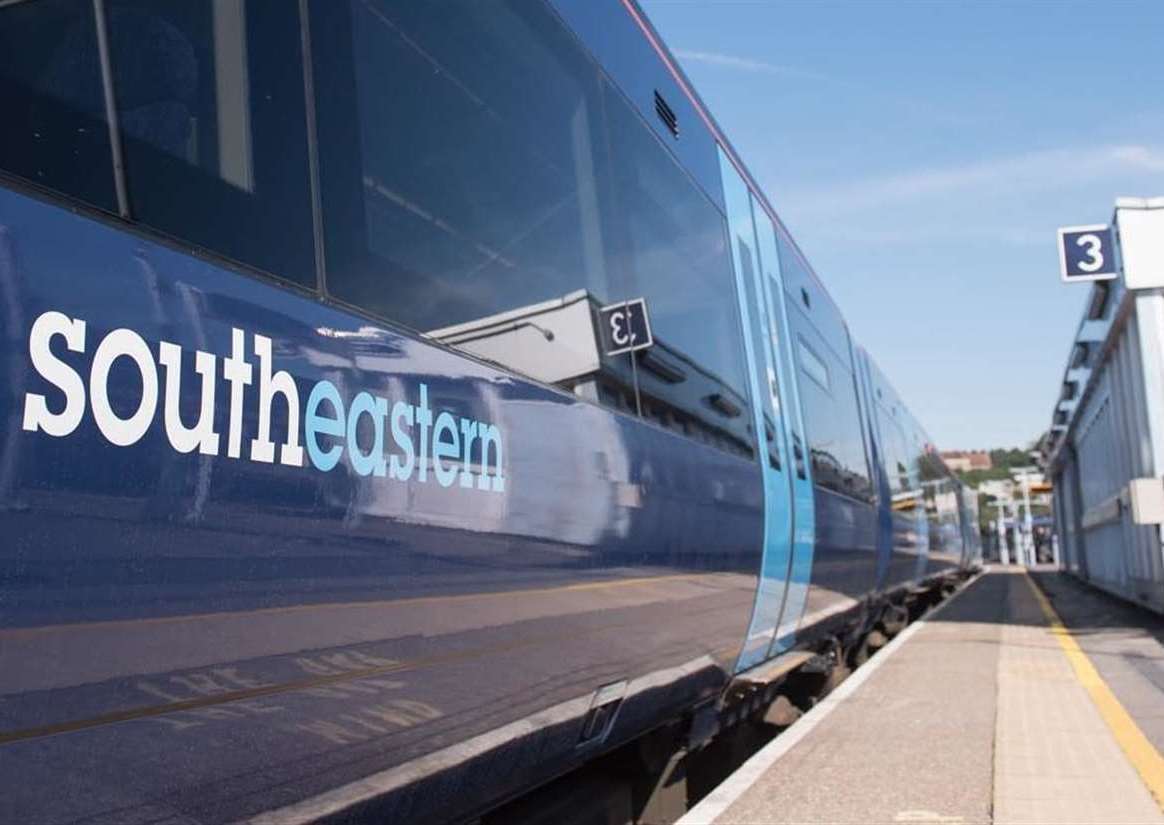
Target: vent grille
x,y
666,114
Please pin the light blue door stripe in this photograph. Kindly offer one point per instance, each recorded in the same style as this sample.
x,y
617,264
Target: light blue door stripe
x,y
777,516
799,575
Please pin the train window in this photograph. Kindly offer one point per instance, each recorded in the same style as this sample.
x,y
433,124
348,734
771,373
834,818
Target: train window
x,y
813,366
896,456
458,166
667,242
498,221
832,419
212,116
55,132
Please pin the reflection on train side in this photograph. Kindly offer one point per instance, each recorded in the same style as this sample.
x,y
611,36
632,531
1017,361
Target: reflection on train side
x,y
425,673
557,342
941,501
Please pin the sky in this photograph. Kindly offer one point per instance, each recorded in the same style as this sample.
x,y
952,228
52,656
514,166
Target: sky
x,y
923,154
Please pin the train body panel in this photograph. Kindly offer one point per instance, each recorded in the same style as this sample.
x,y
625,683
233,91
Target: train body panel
x,y
323,478
129,588
845,549
903,532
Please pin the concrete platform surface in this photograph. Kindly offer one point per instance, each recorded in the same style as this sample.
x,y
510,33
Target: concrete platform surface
x,y
987,711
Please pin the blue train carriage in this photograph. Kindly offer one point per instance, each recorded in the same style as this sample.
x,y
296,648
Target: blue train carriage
x,y
899,453
404,407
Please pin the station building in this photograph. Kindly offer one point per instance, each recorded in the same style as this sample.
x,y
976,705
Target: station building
x,y
1105,453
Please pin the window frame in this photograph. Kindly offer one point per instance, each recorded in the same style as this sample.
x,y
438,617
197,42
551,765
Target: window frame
x,y
124,219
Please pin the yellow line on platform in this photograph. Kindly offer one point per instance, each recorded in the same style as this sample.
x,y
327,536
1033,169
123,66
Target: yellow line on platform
x,y
1140,751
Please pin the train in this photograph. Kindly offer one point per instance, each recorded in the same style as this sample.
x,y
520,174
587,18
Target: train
x,y
406,406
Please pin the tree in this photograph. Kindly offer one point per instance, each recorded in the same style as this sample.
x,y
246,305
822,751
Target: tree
x,y
1006,458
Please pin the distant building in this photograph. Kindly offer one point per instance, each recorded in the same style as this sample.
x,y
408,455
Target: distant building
x,y
1002,489
1007,489
963,461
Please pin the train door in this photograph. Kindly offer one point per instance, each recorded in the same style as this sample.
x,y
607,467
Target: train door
x,y
799,575
876,455
767,421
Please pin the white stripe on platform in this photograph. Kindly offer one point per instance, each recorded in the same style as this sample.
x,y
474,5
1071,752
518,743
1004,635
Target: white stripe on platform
x,y
732,788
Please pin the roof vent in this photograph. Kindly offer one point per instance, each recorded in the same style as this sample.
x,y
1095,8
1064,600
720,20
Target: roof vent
x,y
666,114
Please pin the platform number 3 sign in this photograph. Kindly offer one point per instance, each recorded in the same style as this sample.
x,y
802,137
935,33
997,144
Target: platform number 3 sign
x,y
625,326
1087,253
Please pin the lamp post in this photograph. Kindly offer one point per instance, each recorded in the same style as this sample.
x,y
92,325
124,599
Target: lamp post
x,y
1023,476
1003,550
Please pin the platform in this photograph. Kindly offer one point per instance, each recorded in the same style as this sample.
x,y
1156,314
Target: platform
x,y
1027,698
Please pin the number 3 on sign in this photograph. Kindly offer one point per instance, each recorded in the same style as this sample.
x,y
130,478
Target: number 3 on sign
x,y
620,331
624,326
1094,252
1087,253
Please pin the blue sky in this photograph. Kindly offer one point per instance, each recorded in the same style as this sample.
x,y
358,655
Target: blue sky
x,y
923,154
